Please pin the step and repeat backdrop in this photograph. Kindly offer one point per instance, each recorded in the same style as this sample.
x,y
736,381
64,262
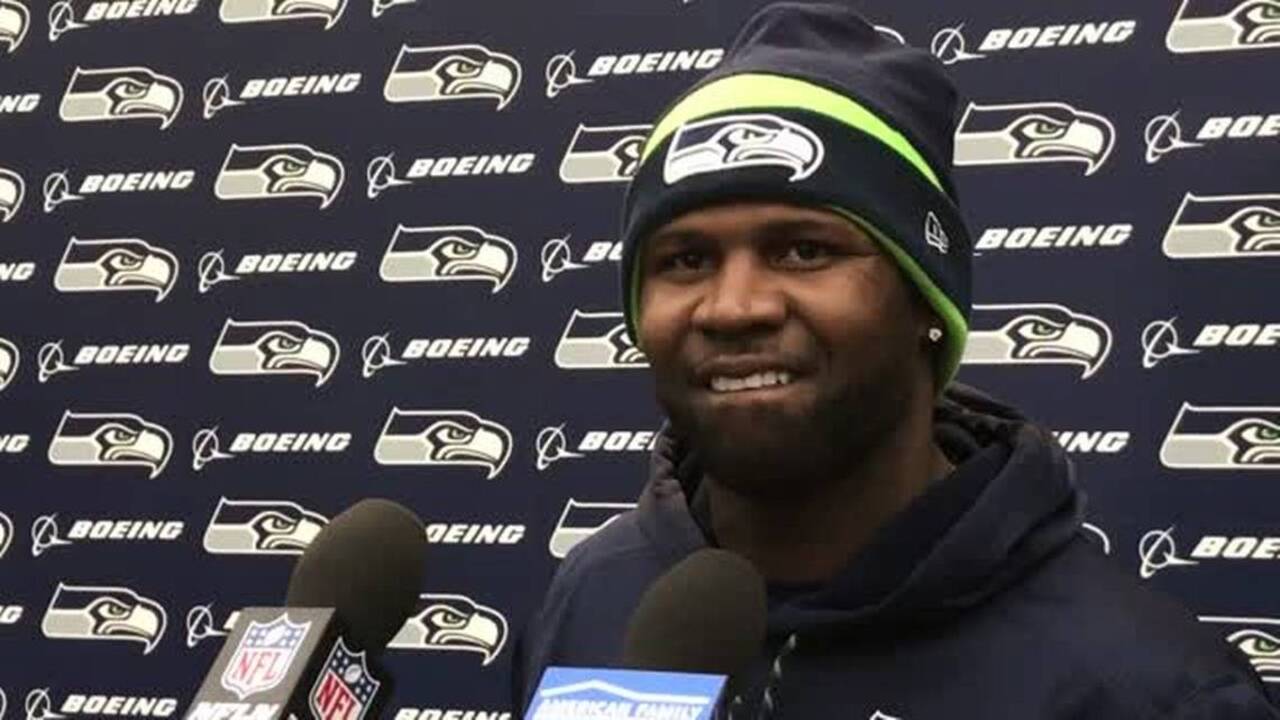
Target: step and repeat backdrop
x,y
262,258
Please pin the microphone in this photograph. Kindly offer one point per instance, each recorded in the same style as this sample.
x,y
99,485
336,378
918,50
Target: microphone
x,y
694,628
316,657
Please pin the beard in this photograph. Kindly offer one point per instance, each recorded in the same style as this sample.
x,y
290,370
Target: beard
x,y
767,453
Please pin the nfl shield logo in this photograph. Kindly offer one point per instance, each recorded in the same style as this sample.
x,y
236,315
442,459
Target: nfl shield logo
x,y
264,656
345,689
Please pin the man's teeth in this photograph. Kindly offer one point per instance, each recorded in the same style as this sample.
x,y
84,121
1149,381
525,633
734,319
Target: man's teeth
x,y
722,383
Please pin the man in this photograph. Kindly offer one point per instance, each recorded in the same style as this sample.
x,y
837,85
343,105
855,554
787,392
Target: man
x,y
797,272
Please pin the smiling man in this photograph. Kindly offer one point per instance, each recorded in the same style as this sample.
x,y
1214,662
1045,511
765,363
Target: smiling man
x,y
797,272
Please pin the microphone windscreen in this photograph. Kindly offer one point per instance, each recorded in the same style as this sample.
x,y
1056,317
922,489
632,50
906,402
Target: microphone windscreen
x,y
706,614
367,563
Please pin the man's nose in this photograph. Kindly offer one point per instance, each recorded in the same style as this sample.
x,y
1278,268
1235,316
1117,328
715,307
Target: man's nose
x,y
743,296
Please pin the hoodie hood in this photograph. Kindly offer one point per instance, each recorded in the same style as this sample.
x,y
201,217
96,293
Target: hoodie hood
x,y
1011,502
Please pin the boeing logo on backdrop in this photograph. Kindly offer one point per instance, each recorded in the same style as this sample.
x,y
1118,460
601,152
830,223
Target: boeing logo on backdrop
x,y
113,613
579,521
1037,334
444,438
1248,25
603,154
452,72
19,103
377,352
63,16
1036,132
51,360
6,534
274,347
45,534
110,440
15,21
382,175
39,705
212,268
121,93
9,359
57,185
552,446
448,253
1224,226
453,623
116,265
557,256
261,172
1160,339
261,527
251,11
1257,637
1053,237
12,191
201,626
1163,133
218,96
207,448
1223,437
1157,550
597,341
949,45
561,71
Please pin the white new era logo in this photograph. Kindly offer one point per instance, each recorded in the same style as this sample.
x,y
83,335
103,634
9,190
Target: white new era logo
x,y
934,234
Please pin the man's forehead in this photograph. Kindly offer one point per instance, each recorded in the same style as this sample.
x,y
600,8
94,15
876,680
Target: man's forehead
x,y
745,220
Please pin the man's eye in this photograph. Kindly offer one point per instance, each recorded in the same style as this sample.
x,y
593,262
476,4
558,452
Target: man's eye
x,y
684,260
804,252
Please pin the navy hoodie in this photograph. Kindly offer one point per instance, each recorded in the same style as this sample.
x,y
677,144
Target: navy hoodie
x,y
983,599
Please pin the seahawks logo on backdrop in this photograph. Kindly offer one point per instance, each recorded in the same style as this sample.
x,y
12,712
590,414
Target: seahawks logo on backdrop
x,y
1257,637
6,533
452,72
1017,133
1037,334
123,93
110,440
736,141
249,11
597,340
1249,25
579,521
9,357
12,190
443,437
274,347
448,253
453,623
603,154
1211,226
116,264
15,20
261,527
257,172
1210,438
88,612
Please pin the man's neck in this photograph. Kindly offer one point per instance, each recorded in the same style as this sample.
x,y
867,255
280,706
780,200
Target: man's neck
x,y
810,538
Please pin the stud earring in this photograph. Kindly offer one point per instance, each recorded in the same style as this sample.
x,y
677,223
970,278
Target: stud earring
x,y
935,334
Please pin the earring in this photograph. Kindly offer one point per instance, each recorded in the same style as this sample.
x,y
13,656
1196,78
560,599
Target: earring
x,y
935,334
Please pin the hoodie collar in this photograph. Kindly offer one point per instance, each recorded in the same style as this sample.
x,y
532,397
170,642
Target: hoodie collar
x,y
1011,501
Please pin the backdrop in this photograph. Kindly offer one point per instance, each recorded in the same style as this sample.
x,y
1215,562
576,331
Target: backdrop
x,y
262,258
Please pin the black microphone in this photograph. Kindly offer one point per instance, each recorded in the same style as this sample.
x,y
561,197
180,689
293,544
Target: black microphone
x,y
315,658
706,614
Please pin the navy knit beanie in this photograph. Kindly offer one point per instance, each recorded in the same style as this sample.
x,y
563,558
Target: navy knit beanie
x,y
813,105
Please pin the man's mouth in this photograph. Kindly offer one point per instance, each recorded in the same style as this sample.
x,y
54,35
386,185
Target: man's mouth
x,y
756,380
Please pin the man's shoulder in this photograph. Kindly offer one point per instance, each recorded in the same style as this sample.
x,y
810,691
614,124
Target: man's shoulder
x,y
1098,619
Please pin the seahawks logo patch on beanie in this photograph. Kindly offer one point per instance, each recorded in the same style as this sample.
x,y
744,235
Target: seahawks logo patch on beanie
x,y
735,141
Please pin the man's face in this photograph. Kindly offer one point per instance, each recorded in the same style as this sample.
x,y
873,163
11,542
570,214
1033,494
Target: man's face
x,y
784,344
